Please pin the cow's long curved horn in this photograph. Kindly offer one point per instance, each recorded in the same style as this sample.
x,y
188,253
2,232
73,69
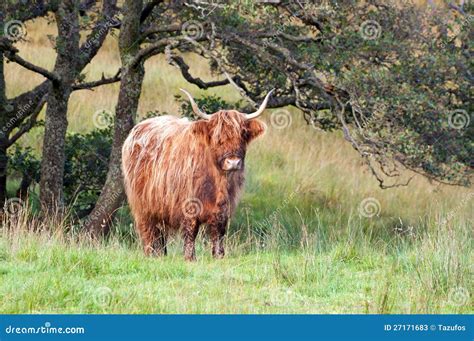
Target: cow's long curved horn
x,y
195,107
262,107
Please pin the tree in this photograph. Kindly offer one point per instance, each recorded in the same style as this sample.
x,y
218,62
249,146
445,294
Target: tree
x,y
130,88
19,114
65,72
393,78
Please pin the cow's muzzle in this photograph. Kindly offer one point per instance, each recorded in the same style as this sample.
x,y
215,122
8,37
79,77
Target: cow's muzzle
x,y
232,163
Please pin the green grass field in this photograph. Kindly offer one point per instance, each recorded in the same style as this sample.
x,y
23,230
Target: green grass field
x,y
313,232
334,271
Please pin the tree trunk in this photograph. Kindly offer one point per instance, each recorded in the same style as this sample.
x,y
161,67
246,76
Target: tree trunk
x,y
52,165
29,103
3,173
112,195
3,116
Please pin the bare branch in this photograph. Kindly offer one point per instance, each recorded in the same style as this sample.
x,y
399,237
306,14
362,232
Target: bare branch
x,y
94,84
289,37
184,68
98,34
218,59
153,49
31,122
160,29
14,57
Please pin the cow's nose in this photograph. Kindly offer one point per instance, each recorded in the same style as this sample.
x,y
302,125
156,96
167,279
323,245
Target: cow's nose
x,y
232,163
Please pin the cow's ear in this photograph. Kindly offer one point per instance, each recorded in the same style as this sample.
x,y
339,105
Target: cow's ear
x,y
255,128
201,128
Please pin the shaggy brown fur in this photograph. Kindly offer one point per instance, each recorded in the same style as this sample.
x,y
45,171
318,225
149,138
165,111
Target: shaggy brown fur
x,y
174,177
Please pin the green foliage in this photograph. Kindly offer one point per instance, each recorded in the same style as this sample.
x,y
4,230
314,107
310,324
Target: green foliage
x,y
86,166
87,159
411,91
403,72
23,163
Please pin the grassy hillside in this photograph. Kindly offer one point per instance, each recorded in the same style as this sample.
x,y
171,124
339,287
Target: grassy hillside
x,y
304,239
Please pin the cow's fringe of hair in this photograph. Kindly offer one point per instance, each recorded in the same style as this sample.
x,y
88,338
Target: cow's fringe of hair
x,y
226,127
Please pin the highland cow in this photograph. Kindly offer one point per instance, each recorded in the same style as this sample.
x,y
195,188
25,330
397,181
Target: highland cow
x,y
182,174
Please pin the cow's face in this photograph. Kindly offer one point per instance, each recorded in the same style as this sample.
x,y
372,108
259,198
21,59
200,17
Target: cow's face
x,y
227,134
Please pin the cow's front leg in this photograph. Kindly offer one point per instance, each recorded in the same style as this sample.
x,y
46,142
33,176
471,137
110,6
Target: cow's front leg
x,y
190,231
159,242
218,229
152,235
